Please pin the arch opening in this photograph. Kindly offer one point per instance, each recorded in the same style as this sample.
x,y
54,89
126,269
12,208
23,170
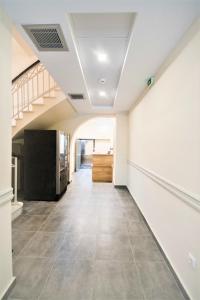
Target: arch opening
x,y
94,136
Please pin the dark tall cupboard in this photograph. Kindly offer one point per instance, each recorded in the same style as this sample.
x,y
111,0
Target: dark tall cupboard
x,y
45,164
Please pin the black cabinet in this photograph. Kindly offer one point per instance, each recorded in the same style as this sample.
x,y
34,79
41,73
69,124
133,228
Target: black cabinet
x,y
45,171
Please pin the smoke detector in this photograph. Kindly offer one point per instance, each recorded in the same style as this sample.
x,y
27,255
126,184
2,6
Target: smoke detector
x,y
47,37
102,80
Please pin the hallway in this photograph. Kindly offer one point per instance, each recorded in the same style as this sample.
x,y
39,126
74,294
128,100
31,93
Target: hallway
x,y
92,244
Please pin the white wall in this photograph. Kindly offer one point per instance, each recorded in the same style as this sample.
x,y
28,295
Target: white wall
x,y
6,277
164,162
72,124
22,55
120,149
102,146
97,128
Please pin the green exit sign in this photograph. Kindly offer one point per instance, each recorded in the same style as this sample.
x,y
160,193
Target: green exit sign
x,y
150,81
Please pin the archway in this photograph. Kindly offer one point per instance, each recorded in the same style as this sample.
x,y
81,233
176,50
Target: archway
x,y
96,128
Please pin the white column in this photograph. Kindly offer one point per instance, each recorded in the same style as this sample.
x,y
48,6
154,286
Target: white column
x,y
6,276
120,150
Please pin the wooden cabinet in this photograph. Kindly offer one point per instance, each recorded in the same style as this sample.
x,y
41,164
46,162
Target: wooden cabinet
x,y
102,167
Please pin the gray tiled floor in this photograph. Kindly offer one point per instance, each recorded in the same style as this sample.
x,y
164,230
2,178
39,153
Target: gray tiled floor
x,y
91,245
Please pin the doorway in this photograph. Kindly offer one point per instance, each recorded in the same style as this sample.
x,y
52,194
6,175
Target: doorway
x,y
93,137
84,150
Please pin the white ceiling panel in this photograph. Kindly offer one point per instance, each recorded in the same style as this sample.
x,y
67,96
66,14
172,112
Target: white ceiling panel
x,y
95,72
102,25
102,41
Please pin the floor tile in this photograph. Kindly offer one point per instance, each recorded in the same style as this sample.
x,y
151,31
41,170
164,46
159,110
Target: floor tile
x,y
113,225
110,212
56,223
127,201
71,223
158,282
113,247
9,298
132,214
116,280
31,274
71,280
37,209
145,249
44,244
138,228
29,223
78,246
20,239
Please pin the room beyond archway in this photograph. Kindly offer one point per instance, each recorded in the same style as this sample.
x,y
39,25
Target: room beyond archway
x,y
93,137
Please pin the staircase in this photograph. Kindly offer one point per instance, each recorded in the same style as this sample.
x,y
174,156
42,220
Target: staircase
x,y
34,92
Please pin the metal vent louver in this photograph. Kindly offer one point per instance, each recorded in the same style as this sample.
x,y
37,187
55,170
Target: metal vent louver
x,y
76,96
47,37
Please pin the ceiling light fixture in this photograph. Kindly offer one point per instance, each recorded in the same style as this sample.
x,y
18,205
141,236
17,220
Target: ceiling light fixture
x,y
102,57
102,94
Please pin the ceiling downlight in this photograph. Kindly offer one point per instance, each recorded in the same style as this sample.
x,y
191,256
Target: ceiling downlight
x,y
47,37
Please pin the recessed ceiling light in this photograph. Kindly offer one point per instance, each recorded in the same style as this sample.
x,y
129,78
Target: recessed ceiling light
x,y
102,94
102,56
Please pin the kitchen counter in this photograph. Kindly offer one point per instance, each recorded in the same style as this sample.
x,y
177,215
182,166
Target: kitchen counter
x,y
102,167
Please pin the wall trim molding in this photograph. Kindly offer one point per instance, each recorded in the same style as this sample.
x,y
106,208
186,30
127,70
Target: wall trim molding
x,y
189,198
6,196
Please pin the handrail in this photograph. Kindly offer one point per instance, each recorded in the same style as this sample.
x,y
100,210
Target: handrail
x,y
188,197
32,84
25,70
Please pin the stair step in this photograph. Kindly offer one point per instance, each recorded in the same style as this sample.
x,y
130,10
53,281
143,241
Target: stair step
x,y
19,117
57,88
49,97
28,109
13,122
39,101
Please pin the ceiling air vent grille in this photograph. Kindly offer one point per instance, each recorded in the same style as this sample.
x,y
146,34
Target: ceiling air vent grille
x,y
76,96
47,37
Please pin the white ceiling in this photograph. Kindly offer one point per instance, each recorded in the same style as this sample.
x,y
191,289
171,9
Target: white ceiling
x,y
158,27
97,35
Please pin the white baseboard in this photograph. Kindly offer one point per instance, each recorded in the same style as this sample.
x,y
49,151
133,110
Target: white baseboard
x,y
17,208
4,294
6,195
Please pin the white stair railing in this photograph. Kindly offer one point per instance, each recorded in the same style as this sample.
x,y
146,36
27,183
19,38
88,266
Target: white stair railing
x,y
32,84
